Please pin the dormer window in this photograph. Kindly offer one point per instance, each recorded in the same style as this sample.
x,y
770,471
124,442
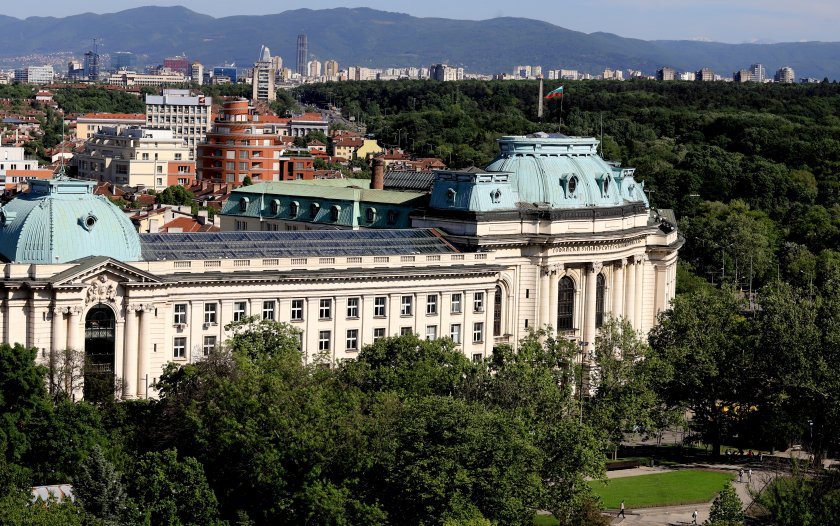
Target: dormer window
x,y
451,194
293,209
392,217
606,185
572,185
370,215
243,204
313,210
496,195
335,211
275,207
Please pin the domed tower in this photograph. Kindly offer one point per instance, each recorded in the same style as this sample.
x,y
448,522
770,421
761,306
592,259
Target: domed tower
x,y
60,220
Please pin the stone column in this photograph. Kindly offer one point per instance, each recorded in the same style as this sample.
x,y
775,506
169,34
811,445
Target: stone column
x,y
640,287
630,293
143,349
618,288
59,329
544,298
130,352
75,330
592,271
553,285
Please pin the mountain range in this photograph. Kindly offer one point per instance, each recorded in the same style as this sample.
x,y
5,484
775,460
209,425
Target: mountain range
x,y
372,38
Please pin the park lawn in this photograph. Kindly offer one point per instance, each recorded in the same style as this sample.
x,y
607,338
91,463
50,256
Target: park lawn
x,y
674,488
545,520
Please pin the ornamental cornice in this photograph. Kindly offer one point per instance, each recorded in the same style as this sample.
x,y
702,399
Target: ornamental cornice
x,y
596,246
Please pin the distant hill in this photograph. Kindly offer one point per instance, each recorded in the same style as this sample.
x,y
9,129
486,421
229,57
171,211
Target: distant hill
x,y
373,38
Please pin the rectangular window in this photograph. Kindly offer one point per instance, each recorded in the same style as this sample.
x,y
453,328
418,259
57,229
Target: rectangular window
x,y
179,347
160,169
455,332
297,310
477,357
456,303
243,154
431,332
209,345
405,305
406,330
145,156
325,310
379,306
431,303
268,310
378,334
478,332
180,314
352,339
209,313
478,302
352,307
239,310
324,338
177,156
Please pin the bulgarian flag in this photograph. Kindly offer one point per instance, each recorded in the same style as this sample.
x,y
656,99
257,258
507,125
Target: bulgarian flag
x,y
555,94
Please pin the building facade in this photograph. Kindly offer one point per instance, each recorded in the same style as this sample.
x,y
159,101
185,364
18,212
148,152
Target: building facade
x,y
135,156
129,79
89,124
263,76
785,75
187,116
547,235
35,75
302,55
666,74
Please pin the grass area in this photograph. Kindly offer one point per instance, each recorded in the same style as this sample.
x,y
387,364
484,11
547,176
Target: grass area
x,y
545,520
663,489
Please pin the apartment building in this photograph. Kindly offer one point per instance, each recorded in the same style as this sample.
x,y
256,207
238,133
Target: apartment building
x,y
187,116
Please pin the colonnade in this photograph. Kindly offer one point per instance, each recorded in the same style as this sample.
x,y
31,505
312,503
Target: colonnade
x,y
623,294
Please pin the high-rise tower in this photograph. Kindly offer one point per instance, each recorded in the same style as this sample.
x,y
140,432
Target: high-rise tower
x,y
302,55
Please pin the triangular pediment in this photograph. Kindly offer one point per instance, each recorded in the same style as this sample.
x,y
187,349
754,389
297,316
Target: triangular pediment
x,y
92,269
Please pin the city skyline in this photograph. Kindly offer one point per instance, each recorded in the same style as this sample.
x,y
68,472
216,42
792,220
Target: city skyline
x,y
715,20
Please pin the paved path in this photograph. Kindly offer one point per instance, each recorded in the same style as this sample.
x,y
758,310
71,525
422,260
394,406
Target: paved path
x,y
681,515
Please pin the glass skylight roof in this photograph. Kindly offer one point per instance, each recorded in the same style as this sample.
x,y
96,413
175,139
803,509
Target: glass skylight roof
x,y
293,244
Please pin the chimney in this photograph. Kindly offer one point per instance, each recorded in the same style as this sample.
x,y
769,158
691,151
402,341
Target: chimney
x,y
378,181
202,217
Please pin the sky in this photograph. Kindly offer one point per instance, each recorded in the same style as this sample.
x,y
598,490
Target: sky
x,y
733,21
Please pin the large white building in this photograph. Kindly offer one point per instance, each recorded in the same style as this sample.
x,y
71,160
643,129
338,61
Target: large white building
x,y
188,116
35,74
547,235
263,76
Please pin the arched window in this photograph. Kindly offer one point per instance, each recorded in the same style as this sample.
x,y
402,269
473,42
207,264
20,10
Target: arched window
x,y
243,204
392,217
335,211
599,300
497,312
566,304
371,215
293,208
573,182
313,210
275,207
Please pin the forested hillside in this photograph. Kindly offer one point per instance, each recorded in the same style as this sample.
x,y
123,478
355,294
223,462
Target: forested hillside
x,y
753,171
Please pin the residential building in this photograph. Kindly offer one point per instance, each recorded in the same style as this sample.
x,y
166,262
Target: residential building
x,y
470,263
446,73
785,75
88,124
228,71
313,68
758,73
179,64
188,116
666,74
136,156
264,73
197,73
242,144
331,69
16,169
75,70
705,75
123,60
743,75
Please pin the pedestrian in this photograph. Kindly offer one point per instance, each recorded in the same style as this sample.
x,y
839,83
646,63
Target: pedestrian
x,y
749,476
621,511
741,475
694,517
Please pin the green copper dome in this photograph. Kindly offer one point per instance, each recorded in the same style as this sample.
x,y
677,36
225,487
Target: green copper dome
x,y
60,220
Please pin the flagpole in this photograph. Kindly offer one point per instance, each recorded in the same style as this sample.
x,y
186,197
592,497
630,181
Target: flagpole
x,y
561,108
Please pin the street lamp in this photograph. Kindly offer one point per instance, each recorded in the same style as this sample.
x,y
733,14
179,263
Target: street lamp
x,y
583,345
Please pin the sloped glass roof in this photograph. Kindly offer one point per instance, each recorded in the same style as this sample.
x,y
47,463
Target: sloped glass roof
x,y
293,244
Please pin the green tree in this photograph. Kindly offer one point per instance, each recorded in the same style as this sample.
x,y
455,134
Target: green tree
x,y
247,181
726,509
169,490
175,195
23,399
99,490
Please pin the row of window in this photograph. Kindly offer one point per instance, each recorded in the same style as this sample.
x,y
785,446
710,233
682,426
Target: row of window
x,y
325,308
351,342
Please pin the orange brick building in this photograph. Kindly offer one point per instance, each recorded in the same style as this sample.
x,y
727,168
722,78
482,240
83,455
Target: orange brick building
x,y
244,144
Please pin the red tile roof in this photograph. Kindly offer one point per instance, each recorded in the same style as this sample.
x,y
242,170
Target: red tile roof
x,y
188,224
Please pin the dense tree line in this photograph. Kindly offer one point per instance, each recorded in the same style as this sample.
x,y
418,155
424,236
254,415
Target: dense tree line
x,y
98,100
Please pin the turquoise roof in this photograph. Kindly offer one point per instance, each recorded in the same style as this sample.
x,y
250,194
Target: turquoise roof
x,y
326,203
547,171
60,220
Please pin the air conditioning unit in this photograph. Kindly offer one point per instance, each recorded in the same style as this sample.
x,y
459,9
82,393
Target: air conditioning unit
x,y
180,326
207,326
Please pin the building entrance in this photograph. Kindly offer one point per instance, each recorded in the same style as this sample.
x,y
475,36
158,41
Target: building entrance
x,y
99,353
